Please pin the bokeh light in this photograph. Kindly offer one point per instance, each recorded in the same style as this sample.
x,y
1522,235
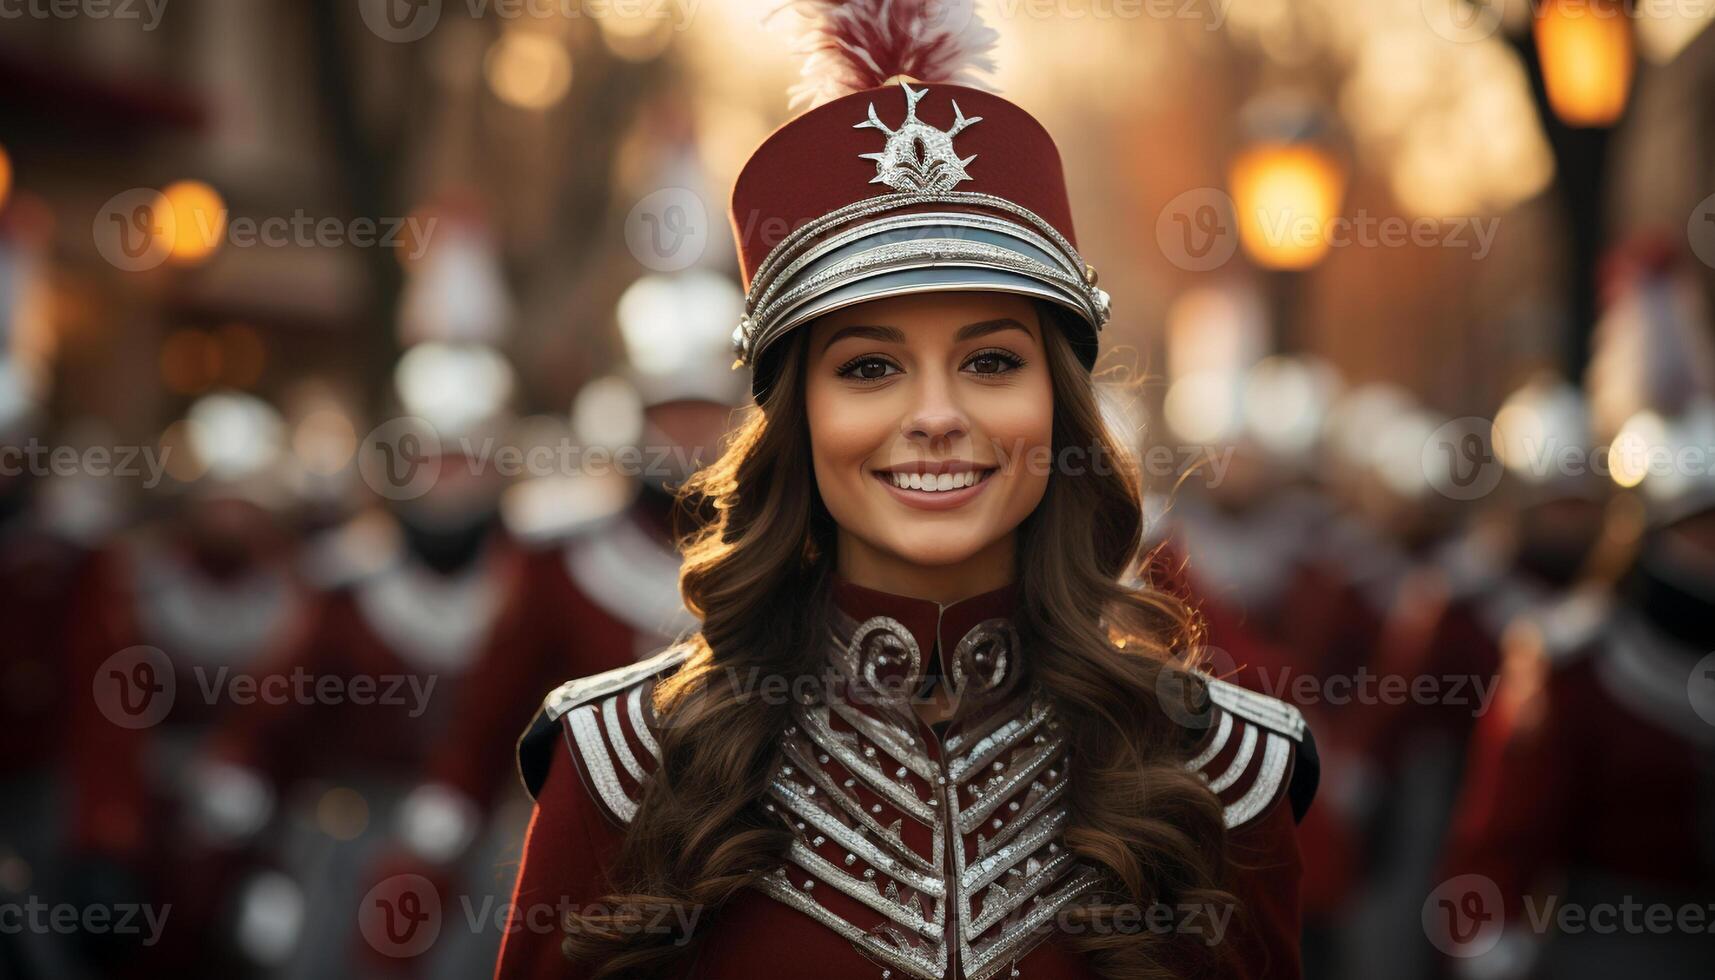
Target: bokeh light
x,y
199,220
1285,195
1587,59
528,70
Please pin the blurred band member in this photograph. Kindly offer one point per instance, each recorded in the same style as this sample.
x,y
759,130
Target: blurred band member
x,y
604,591
172,617
44,552
1589,785
409,595
1603,705
1441,646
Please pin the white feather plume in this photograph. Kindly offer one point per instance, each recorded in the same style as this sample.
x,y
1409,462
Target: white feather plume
x,y
852,45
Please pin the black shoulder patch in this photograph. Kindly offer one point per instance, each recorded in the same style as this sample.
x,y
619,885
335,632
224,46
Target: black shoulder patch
x,y
536,751
1306,776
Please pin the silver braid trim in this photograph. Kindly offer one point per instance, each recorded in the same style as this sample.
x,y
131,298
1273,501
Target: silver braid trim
x,y
764,309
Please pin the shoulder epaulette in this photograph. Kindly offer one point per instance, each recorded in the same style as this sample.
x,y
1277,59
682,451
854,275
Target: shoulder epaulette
x,y
1259,748
603,719
1572,626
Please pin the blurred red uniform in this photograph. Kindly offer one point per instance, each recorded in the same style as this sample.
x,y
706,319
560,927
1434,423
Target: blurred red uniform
x,y
596,600
39,572
165,622
1588,792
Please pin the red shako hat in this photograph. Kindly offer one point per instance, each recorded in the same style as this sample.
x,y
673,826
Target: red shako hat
x,y
884,189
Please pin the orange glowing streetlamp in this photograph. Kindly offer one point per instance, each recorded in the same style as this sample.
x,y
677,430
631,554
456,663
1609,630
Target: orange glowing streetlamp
x,y
1588,54
1285,194
5,177
199,221
1286,182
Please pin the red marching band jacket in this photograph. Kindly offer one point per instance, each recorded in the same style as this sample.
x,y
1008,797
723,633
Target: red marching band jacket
x,y
1588,795
915,854
590,601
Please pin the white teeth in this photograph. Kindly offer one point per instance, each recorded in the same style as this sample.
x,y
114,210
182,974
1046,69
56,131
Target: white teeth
x,y
934,483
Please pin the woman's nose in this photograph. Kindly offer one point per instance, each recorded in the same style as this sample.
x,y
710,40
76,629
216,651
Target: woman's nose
x,y
935,415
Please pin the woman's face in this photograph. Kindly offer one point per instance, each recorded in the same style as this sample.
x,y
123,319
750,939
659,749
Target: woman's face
x,y
931,419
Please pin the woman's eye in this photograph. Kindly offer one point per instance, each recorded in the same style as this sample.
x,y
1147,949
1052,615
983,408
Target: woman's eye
x,y
994,362
866,369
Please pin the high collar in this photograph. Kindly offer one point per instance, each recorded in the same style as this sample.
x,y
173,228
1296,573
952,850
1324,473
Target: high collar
x,y
890,644
935,625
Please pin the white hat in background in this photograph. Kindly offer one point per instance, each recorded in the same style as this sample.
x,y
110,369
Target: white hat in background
x,y
677,330
1541,426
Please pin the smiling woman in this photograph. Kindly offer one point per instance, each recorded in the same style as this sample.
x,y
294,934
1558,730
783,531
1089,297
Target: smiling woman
x,y
995,756
914,403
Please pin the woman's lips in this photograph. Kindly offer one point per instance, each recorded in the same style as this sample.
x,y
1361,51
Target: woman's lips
x,y
934,499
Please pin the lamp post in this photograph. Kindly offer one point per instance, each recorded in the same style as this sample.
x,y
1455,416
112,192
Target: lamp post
x,y
1580,56
1287,184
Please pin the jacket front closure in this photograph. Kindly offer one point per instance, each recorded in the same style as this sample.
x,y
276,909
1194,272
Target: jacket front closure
x,y
933,856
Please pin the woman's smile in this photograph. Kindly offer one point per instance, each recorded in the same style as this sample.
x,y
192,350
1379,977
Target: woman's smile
x,y
935,486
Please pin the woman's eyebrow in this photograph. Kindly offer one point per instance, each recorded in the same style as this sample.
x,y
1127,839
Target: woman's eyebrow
x,y
894,335
987,327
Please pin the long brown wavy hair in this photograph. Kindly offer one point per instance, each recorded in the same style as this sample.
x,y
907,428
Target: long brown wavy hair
x,y
1103,643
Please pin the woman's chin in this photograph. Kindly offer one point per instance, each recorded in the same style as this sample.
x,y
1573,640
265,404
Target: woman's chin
x,y
937,546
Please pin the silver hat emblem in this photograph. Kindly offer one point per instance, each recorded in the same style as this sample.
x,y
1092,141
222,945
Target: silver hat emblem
x,y
918,158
